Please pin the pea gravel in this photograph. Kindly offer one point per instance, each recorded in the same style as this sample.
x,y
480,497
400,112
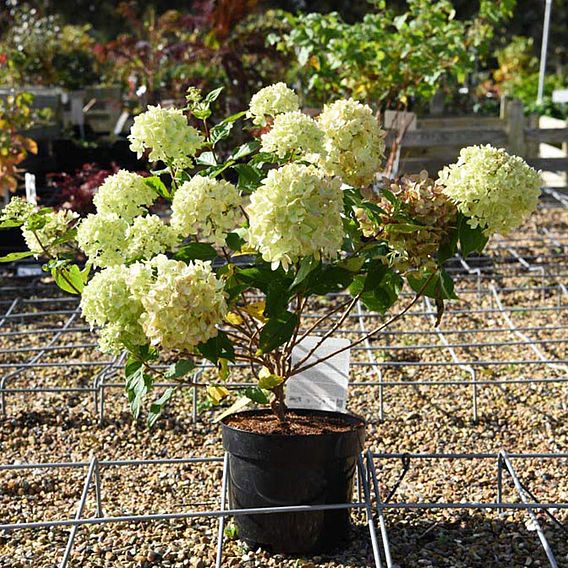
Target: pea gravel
x,y
519,418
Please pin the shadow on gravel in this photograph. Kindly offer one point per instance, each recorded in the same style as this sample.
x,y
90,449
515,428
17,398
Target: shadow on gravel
x,y
471,539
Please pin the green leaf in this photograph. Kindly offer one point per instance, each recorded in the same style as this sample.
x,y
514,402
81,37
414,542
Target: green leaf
x,y
261,276
277,331
220,131
15,256
158,186
249,177
471,240
138,384
8,224
219,347
231,531
157,407
403,227
206,159
213,95
180,369
352,263
245,149
257,395
440,284
277,298
69,278
202,112
269,381
330,279
379,288
143,353
195,251
235,117
235,241
448,247
307,266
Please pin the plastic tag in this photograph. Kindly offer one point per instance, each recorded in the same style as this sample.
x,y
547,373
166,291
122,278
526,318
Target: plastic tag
x,y
30,182
323,386
27,270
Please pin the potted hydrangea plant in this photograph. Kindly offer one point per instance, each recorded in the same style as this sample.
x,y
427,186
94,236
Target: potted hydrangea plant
x,y
295,213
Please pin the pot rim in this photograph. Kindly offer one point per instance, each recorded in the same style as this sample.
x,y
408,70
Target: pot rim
x,y
353,418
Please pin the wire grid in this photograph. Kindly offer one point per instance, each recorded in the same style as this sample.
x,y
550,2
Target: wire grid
x,y
93,480
520,279
47,333
504,467
370,499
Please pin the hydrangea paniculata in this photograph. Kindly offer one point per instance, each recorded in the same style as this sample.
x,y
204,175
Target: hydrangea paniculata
x,y
183,303
271,101
147,237
17,210
103,238
495,190
125,194
296,212
167,134
429,218
354,142
45,238
206,206
107,301
293,132
108,239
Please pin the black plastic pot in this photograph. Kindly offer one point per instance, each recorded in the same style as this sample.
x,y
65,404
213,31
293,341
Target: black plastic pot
x,y
11,240
269,470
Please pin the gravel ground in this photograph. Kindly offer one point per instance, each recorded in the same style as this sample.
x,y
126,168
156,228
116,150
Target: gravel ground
x,y
520,418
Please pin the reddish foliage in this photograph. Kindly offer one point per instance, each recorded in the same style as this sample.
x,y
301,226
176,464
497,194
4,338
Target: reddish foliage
x,y
76,191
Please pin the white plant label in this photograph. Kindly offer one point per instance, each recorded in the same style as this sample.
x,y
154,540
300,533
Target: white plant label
x,y
27,270
323,386
30,182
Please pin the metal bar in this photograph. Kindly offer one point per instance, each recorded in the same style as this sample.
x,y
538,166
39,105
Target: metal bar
x,y
98,494
372,360
456,359
33,360
379,505
529,509
500,481
472,456
370,523
78,514
522,336
221,533
543,51
185,515
111,463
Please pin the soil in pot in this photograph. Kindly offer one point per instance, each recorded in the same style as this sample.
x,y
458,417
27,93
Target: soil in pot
x,y
311,461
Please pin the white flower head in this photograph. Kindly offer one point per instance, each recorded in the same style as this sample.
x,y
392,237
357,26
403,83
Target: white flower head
x,y
102,237
495,190
207,206
148,237
107,301
271,101
124,194
46,238
108,239
167,134
183,303
17,210
354,142
293,132
296,213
